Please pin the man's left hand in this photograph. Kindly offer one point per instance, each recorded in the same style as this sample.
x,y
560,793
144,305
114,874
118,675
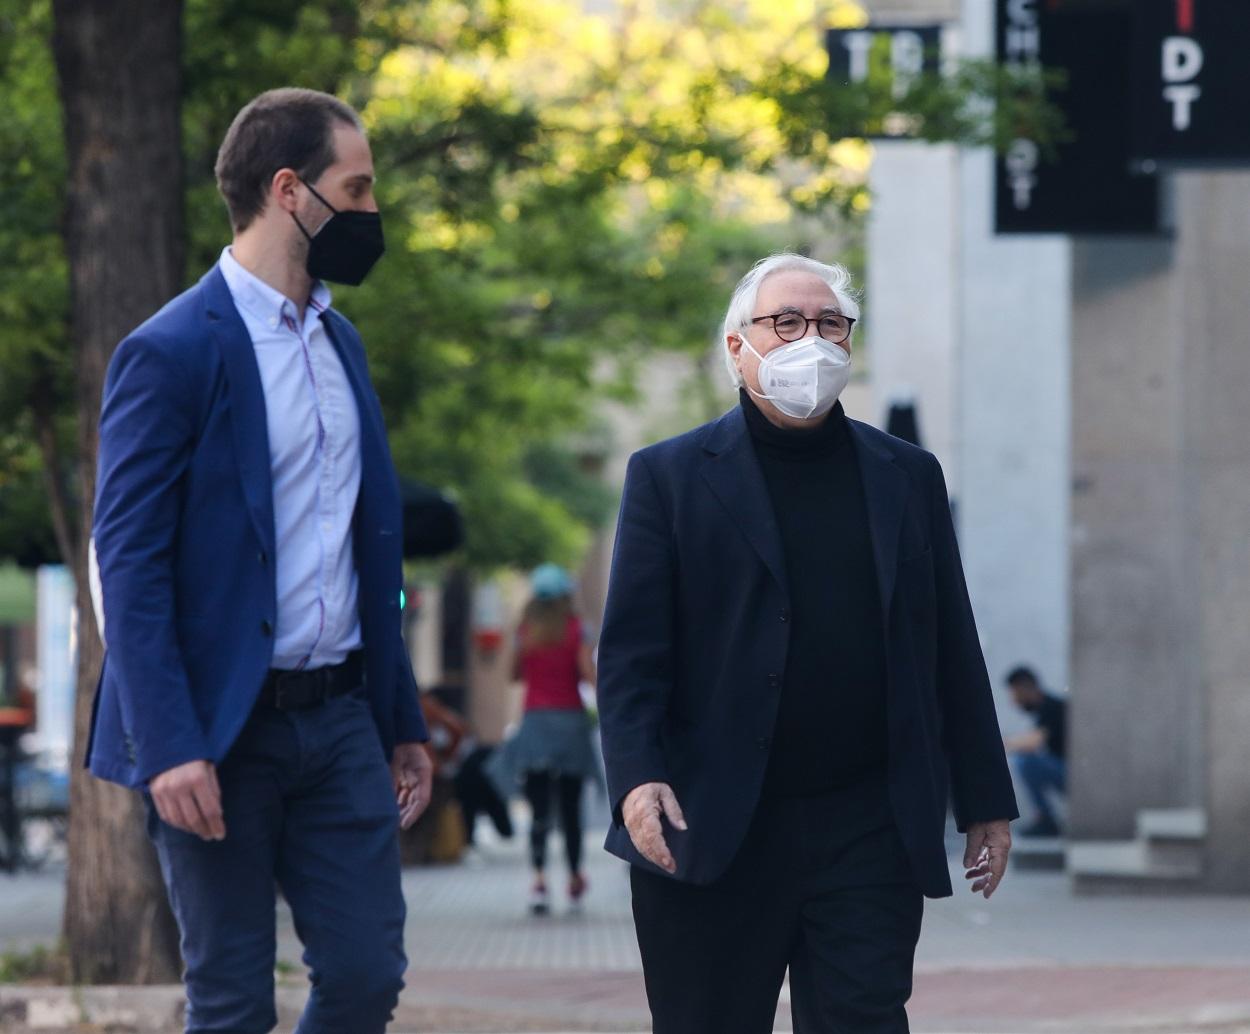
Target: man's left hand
x,y
985,857
413,773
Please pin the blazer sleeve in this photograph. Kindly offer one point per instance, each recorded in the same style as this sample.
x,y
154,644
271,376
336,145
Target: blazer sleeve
x,y
636,645
981,788
410,724
146,438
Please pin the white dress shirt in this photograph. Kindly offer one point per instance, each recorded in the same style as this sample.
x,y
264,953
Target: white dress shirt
x,y
314,460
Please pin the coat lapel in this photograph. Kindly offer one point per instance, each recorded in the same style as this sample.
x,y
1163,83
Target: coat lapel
x,y
247,403
885,493
375,472
734,476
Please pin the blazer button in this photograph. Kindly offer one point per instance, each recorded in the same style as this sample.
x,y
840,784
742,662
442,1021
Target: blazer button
x,y
785,613
774,681
263,557
266,628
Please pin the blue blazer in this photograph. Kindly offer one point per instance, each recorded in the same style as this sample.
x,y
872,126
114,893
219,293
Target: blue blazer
x,y
694,642
184,537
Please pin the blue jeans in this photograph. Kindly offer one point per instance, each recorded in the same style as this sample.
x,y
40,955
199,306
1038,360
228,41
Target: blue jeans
x,y
309,805
1041,772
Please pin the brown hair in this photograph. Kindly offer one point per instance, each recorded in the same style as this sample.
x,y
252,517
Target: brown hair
x,y
544,621
289,128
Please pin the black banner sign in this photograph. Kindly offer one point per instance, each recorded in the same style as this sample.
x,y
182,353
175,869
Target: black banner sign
x,y
1090,187
900,53
1191,79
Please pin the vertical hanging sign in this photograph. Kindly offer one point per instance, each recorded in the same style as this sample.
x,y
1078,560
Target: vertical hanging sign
x,y
900,53
1089,186
1191,97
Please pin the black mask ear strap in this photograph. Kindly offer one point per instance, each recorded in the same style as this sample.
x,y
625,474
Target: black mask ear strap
x,y
318,196
307,235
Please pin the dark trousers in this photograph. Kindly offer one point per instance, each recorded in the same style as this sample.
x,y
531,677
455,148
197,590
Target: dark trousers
x,y
477,795
1042,772
309,805
822,887
539,789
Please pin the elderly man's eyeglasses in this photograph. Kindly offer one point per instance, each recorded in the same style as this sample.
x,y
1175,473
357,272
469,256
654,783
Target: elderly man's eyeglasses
x,y
791,326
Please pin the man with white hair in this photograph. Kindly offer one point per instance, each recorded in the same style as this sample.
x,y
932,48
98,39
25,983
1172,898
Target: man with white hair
x,y
791,689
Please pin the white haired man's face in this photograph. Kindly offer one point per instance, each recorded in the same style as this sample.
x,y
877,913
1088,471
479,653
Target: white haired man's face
x,y
790,290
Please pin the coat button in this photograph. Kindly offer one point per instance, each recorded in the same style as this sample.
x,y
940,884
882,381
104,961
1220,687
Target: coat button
x,y
785,613
263,557
266,628
774,681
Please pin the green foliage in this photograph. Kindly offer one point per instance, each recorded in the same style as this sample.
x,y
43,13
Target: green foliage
x,y
978,103
566,193
25,528
33,275
34,295
39,965
572,479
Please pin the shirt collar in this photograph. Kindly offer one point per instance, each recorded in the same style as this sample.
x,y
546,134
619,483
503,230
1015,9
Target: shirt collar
x,y
265,303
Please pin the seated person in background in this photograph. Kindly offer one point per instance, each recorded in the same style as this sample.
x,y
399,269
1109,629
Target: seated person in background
x,y
438,836
1039,755
459,756
447,731
477,795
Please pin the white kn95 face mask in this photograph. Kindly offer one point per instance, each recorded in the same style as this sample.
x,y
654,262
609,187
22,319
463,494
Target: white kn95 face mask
x,y
803,378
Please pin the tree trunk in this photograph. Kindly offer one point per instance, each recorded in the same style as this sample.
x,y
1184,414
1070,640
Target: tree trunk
x,y
119,73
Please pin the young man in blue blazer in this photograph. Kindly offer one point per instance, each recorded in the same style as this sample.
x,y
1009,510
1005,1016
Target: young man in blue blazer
x,y
790,689
256,688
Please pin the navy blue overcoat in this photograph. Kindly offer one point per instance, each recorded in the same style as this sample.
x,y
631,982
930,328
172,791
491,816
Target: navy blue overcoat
x,y
694,643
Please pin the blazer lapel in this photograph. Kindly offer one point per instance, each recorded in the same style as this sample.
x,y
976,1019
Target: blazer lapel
x,y
734,476
885,493
375,472
247,403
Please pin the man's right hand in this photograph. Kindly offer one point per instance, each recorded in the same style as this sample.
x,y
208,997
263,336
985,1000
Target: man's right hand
x,y
187,797
641,811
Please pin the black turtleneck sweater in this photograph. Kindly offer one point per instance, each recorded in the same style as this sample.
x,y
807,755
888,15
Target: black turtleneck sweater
x,y
831,721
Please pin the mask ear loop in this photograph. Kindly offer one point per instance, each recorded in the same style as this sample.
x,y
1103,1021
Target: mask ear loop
x,y
758,395
313,190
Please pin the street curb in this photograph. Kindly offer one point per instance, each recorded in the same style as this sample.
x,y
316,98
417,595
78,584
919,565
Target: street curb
x,y
159,1009
123,1009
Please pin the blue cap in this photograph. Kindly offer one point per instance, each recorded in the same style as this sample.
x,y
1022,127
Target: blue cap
x,y
550,581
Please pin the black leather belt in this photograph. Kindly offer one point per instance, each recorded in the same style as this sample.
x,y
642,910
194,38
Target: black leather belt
x,y
297,690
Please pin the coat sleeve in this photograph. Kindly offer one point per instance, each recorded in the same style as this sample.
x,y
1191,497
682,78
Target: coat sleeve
x,y
636,646
146,439
981,788
409,722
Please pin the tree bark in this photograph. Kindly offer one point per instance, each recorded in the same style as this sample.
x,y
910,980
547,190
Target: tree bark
x,y
119,74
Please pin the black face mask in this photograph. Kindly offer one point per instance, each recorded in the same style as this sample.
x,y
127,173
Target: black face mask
x,y
346,247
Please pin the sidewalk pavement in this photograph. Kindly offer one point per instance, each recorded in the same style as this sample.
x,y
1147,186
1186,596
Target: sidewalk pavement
x,y
1034,960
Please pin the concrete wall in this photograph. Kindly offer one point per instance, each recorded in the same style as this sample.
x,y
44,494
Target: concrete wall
x,y
1136,707
1012,426
1161,559
912,294
1212,319
978,327
1094,426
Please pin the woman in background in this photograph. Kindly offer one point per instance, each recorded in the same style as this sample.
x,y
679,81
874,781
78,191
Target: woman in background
x,y
551,752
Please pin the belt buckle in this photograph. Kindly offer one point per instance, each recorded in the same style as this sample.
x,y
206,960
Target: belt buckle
x,y
281,698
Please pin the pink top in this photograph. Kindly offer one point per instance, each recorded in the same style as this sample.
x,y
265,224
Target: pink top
x,y
551,672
